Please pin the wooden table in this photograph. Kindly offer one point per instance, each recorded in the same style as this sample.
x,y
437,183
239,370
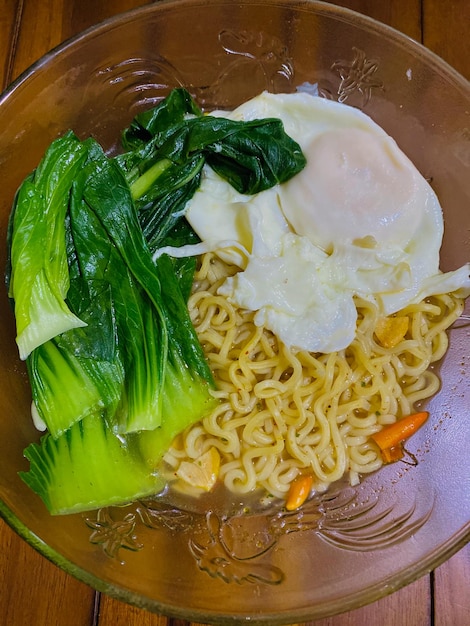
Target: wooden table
x,y
34,591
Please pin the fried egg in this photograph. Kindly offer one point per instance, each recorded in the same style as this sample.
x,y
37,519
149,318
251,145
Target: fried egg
x,y
359,220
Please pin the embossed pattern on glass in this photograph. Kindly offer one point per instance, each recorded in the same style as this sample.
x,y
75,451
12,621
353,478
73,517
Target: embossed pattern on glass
x,y
236,548
359,74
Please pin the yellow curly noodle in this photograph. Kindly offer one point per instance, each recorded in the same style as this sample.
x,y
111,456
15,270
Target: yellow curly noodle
x,y
283,412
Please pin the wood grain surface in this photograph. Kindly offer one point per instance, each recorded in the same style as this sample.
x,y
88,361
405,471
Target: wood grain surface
x,y
33,591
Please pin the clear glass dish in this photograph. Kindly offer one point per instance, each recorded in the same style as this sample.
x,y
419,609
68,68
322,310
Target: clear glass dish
x,y
353,545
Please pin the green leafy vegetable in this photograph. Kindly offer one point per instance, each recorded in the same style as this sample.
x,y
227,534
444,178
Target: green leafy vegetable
x,y
153,307
121,372
168,146
40,280
172,110
141,335
88,467
66,387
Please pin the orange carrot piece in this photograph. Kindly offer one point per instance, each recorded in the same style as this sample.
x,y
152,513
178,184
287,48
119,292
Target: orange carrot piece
x,y
299,491
390,455
394,434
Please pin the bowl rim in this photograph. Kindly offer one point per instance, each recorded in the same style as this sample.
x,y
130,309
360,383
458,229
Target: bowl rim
x,y
395,581
322,7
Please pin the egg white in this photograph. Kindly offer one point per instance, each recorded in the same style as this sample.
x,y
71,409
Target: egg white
x,y
359,220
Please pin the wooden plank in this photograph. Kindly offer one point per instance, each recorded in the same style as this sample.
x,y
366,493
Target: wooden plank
x,y
40,31
410,606
48,23
404,15
451,586
35,591
85,13
446,31
115,613
9,15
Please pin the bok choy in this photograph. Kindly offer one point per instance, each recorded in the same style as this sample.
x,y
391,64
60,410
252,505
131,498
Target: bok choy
x,y
40,280
115,365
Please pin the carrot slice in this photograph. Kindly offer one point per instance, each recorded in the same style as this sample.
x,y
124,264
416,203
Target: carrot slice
x,y
394,434
390,455
299,491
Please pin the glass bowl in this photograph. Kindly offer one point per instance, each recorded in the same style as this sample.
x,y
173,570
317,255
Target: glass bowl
x,y
350,546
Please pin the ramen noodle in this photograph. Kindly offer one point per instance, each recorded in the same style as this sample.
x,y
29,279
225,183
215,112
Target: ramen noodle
x,y
283,411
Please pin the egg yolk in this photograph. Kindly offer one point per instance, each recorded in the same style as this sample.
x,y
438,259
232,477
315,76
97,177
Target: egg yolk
x,y
356,185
